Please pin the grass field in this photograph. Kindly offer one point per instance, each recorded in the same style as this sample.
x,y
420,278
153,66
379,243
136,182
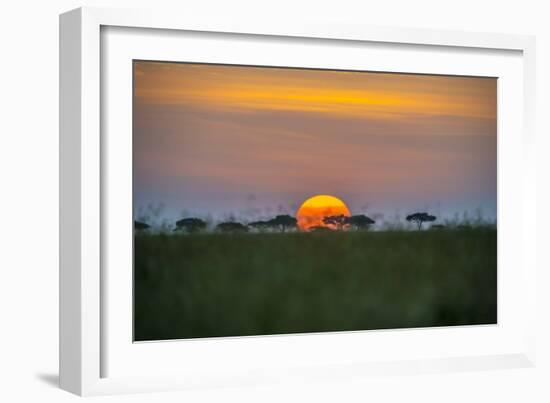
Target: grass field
x,y
209,285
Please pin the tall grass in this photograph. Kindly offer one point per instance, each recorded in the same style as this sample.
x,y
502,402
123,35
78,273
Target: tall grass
x,y
208,285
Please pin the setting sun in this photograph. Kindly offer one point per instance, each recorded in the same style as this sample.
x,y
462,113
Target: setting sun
x,y
313,210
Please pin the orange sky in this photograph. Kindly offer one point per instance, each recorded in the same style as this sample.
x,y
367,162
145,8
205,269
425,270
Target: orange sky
x,y
232,139
334,92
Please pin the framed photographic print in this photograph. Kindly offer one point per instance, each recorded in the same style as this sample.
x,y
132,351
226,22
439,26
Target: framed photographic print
x,y
292,201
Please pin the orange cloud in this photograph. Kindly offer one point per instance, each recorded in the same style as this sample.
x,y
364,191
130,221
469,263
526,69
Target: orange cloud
x,y
365,94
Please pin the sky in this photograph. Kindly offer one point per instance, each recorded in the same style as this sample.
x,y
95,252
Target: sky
x,y
243,142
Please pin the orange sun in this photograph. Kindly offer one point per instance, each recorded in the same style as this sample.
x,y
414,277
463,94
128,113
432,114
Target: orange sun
x,y
313,210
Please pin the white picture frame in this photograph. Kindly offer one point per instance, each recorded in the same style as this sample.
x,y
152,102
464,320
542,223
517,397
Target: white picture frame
x,y
98,358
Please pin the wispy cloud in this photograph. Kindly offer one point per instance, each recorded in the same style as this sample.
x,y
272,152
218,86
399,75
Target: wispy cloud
x,y
328,92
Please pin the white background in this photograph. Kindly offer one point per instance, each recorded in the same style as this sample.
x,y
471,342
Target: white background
x,y
29,209
234,356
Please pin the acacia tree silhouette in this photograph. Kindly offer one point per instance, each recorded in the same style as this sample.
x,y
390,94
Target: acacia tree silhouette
x,y
337,220
360,221
190,224
420,218
283,222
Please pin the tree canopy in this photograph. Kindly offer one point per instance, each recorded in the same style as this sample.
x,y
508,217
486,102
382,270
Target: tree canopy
x,y
190,224
280,223
360,221
419,218
231,226
283,222
337,220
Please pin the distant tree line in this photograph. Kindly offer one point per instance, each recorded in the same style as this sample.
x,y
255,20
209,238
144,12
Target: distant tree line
x,y
285,223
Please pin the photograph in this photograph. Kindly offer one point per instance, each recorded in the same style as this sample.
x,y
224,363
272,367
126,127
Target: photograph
x,y
275,200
